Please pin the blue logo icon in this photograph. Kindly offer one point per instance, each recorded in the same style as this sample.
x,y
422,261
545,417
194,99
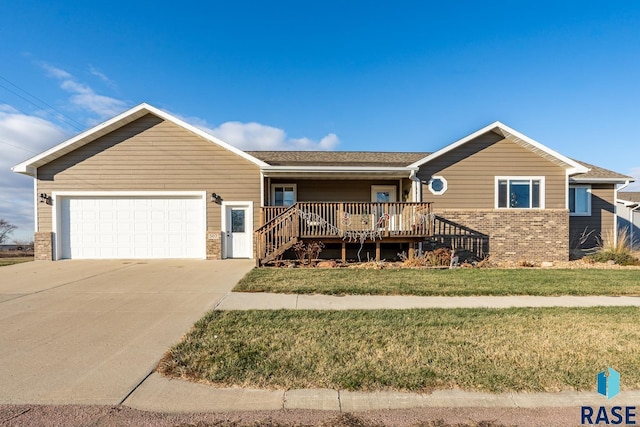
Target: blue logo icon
x,y
609,383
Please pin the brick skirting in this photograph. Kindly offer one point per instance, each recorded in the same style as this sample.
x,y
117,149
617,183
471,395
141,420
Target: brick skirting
x,y
214,244
43,246
518,234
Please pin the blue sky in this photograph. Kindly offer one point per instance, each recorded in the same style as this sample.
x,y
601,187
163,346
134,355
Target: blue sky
x,y
396,76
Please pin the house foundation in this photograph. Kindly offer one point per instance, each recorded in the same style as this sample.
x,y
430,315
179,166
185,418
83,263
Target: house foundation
x,y
514,235
43,246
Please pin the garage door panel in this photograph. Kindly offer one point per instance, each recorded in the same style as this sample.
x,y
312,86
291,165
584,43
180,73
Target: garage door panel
x,y
132,227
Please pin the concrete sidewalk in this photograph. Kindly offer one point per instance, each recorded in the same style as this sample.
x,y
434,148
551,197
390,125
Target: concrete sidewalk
x,y
267,301
159,393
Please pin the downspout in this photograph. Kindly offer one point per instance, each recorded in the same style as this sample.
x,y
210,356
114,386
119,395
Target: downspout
x,y
632,224
417,196
615,213
35,202
415,186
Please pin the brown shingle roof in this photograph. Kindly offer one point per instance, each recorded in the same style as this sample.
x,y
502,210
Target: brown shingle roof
x,y
378,158
630,196
599,173
337,158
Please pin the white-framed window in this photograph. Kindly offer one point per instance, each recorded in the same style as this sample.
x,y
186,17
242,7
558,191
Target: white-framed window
x,y
580,200
283,194
437,185
519,192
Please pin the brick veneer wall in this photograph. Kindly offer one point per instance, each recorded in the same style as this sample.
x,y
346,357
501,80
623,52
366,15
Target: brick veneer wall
x,y
214,244
518,234
43,246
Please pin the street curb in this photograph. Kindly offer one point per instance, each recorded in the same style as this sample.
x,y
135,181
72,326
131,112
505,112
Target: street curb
x,y
162,394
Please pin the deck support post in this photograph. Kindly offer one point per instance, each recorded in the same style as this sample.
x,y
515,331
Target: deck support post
x,y
411,250
344,252
377,250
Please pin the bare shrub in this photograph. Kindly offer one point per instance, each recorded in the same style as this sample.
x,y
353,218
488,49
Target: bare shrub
x,y
308,253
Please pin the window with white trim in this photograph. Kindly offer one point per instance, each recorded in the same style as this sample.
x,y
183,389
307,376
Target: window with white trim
x,y
521,192
283,194
580,200
437,185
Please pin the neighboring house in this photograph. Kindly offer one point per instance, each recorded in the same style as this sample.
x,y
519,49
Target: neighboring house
x,y
145,184
629,216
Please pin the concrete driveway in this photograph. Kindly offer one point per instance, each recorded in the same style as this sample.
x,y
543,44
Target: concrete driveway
x,y
88,332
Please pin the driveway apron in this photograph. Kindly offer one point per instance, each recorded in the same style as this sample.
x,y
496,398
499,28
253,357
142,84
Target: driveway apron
x,y
88,332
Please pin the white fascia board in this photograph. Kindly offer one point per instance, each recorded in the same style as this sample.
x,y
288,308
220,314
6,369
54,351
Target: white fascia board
x,y
338,169
599,180
627,203
575,166
29,166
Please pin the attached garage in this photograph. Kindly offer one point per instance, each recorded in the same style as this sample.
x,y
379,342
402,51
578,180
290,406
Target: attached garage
x,y
130,225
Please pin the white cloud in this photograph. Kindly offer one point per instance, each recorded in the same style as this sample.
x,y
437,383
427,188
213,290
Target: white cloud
x,y
102,76
256,136
21,137
85,97
55,72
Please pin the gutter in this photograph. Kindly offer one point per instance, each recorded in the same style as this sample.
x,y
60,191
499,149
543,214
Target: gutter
x,y
615,207
632,224
403,171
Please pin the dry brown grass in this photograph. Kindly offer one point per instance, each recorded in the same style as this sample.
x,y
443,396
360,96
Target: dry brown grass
x,y
464,282
14,260
537,349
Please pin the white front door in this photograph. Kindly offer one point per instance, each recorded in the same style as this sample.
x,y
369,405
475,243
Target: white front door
x,y
383,193
238,231
387,216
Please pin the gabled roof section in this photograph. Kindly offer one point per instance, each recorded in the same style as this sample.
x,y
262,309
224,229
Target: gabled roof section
x,y
629,197
337,158
28,167
598,174
513,135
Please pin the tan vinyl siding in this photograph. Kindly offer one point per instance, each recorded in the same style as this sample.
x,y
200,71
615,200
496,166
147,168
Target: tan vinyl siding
x,y
334,190
150,154
470,171
601,220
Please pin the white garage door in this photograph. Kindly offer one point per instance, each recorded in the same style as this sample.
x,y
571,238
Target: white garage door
x,y
132,227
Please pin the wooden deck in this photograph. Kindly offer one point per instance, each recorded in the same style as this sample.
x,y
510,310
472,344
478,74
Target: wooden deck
x,y
349,222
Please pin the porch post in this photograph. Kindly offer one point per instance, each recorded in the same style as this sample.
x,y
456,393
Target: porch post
x,y
377,250
344,252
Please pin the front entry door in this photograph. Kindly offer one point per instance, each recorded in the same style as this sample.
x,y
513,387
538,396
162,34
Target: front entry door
x,y
383,193
238,233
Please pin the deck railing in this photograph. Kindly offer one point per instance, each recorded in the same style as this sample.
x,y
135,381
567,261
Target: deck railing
x,y
270,212
284,226
337,219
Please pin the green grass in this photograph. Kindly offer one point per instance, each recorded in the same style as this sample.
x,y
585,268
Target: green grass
x,y
16,260
496,350
460,282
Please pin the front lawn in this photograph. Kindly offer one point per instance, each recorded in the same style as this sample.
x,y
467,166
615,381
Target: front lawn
x,y
496,350
16,260
461,282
